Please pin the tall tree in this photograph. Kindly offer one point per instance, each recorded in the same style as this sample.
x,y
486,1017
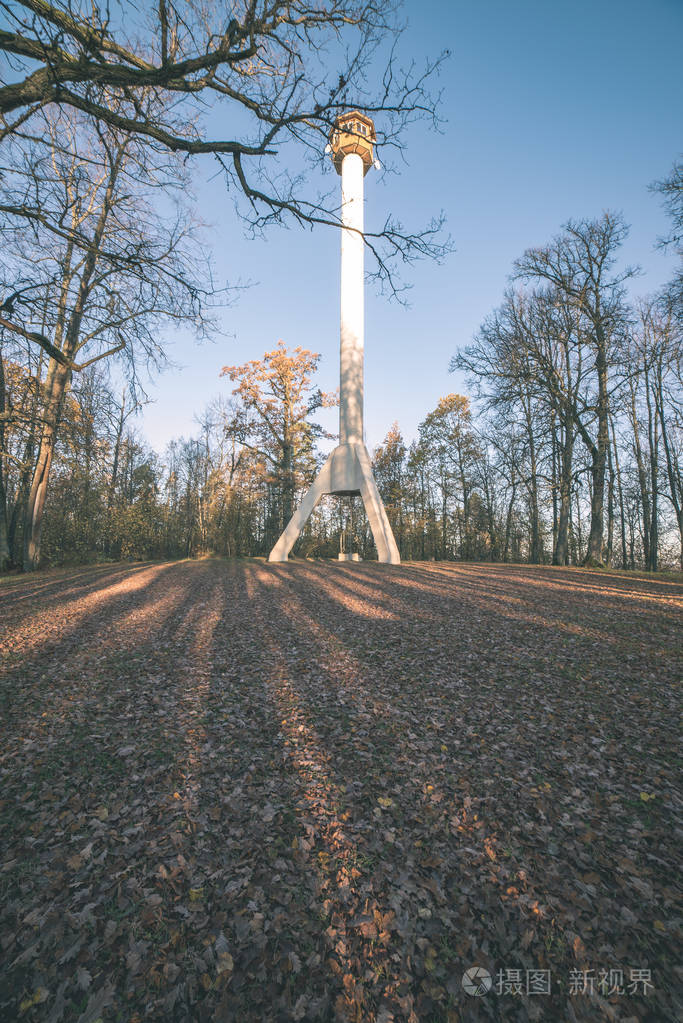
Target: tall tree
x,y
510,361
448,435
109,296
657,350
417,470
580,265
276,398
22,400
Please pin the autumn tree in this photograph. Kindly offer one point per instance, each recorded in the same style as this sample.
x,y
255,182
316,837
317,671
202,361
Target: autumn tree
x,y
276,398
21,400
451,445
417,485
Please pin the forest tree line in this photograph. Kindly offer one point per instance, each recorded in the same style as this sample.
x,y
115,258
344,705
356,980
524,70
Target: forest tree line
x,y
558,411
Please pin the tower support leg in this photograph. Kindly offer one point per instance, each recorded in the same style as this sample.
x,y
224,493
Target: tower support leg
x,y
288,537
382,533
348,470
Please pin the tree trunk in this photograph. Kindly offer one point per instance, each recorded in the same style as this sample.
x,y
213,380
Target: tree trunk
x,y
653,441
4,534
287,482
465,540
610,508
673,468
490,516
508,523
536,550
423,514
56,387
555,483
579,531
117,452
632,541
4,530
21,497
466,530
594,554
620,491
642,478
566,455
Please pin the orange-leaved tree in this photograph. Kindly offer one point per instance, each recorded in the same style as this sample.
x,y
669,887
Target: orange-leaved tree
x,y
276,399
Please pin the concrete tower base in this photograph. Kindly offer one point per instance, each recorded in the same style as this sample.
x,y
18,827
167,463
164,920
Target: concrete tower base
x,y
347,471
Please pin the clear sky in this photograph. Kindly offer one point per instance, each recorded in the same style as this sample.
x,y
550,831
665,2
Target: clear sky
x,y
553,109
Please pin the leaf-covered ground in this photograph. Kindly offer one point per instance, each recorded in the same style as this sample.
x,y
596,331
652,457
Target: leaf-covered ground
x,y
248,792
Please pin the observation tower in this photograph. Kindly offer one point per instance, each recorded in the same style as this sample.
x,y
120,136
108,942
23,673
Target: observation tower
x,y
348,469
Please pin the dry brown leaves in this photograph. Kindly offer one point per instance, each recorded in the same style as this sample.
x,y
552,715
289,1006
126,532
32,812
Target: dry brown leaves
x,y
235,791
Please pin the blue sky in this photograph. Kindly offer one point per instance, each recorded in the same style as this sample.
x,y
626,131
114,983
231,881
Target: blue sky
x,y
553,109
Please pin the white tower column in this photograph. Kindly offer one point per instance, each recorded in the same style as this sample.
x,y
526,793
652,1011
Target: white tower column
x,y
352,302
348,469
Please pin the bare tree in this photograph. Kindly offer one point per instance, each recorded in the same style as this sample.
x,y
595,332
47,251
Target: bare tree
x,y
517,363
671,190
110,296
579,264
277,72
657,348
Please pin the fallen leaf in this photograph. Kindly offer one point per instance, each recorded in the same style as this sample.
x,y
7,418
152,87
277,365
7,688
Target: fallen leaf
x,y
98,1001
83,978
39,996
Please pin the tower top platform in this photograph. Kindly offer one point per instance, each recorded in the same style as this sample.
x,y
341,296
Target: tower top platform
x,y
353,132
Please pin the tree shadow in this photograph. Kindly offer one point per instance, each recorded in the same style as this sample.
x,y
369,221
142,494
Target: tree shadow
x,y
63,583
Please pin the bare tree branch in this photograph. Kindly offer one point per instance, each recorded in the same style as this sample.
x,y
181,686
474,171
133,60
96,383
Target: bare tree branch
x,y
281,70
